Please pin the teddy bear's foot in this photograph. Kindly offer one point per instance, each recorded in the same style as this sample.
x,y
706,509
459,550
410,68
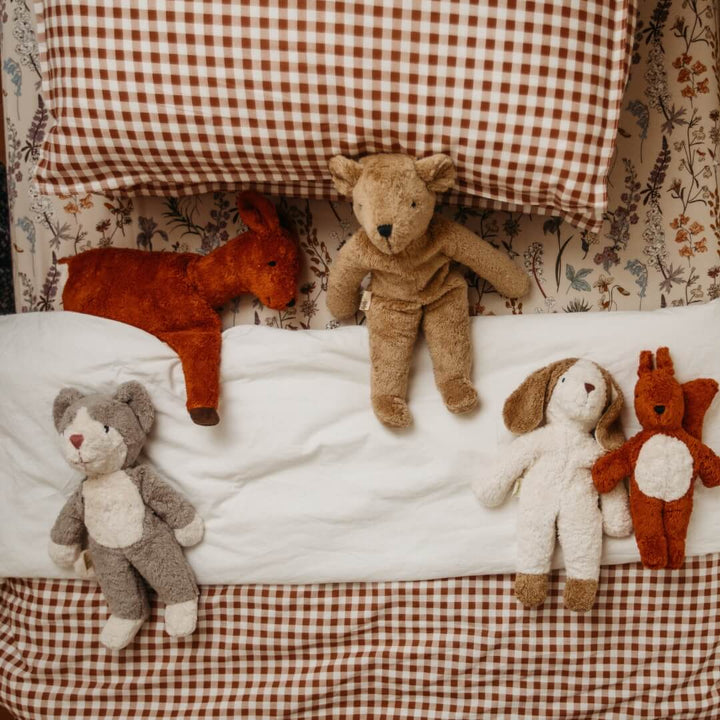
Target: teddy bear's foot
x,y
181,618
531,589
392,410
204,416
459,395
579,595
119,632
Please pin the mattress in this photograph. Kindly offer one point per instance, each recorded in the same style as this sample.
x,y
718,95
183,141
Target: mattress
x,y
444,648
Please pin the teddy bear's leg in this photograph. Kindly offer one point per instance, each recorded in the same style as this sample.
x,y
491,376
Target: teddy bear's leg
x,y
647,516
446,326
199,352
160,560
392,327
580,534
677,517
125,594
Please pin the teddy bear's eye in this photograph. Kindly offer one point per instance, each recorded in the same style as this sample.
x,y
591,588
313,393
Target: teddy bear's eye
x,y
413,204
107,428
272,263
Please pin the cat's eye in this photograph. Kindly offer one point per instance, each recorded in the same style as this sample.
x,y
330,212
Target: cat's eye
x,y
272,263
107,428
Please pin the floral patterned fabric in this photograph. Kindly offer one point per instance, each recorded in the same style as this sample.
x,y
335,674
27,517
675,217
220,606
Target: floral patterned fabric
x,y
658,246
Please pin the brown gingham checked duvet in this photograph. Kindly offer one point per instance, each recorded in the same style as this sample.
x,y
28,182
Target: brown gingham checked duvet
x,y
446,649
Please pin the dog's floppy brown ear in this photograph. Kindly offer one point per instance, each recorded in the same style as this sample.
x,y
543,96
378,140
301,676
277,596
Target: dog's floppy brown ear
x,y
609,432
524,410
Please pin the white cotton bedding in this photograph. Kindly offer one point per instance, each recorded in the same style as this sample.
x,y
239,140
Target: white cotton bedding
x,y
299,482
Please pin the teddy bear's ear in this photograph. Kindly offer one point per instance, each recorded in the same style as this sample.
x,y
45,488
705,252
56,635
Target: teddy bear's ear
x,y
138,398
437,171
524,410
345,173
257,212
645,365
65,398
664,361
609,432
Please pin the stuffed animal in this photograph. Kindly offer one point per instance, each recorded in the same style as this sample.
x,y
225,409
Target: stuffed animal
x,y
567,414
175,296
663,459
408,251
133,522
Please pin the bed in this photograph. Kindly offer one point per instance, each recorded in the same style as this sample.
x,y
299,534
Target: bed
x,y
383,647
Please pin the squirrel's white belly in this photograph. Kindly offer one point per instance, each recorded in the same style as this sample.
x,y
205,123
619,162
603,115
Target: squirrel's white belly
x,y
664,468
114,510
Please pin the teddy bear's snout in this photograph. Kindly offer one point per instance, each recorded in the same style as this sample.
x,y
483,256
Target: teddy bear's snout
x,y
77,441
384,230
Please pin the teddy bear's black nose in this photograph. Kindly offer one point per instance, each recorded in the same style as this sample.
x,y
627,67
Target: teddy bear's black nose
x,y
659,409
384,230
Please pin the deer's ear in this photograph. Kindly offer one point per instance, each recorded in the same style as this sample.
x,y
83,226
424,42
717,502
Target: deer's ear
x,y
257,212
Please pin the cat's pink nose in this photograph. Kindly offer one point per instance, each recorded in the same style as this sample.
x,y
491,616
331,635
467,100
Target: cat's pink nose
x,y
589,387
77,440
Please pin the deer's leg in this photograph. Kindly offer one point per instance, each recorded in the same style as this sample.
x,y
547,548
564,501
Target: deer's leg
x,y
199,352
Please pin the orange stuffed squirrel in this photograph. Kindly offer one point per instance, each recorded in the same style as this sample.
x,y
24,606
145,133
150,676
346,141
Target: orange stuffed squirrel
x,y
663,459
174,296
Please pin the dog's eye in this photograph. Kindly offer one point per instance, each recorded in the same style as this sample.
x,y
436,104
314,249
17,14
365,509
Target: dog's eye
x,y
413,204
107,428
562,379
272,263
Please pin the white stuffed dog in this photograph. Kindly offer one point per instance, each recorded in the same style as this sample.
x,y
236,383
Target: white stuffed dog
x,y
568,415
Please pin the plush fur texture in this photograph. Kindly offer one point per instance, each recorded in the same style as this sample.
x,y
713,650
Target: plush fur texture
x,y
408,251
567,414
132,521
663,459
175,296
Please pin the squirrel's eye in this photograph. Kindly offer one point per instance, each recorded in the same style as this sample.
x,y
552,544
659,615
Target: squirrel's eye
x,y
413,204
107,428
272,263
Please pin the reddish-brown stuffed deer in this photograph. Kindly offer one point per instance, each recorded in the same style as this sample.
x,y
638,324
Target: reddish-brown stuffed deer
x,y
174,296
663,459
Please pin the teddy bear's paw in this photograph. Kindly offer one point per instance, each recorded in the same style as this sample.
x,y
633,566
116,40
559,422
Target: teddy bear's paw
x,y
579,595
119,632
392,410
192,533
459,395
181,618
531,588
64,555
204,416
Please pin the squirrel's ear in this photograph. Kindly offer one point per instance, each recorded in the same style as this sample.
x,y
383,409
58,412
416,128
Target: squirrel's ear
x,y
65,398
524,410
645,365
257,212
609,432
138,398
437,171
664,361
345,173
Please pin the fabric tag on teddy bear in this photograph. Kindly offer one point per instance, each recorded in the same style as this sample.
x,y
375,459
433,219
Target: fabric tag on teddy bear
x,y
365,300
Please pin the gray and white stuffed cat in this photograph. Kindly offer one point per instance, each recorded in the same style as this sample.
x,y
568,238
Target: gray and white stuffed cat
x,y
133,522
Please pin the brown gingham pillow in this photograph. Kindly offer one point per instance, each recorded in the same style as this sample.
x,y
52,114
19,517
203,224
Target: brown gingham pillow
x,y
184,96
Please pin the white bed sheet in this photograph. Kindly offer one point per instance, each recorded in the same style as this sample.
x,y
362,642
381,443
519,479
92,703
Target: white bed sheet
x,y
300,483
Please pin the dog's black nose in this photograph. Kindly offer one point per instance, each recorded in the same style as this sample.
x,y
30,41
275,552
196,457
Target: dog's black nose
x,y
291,303
659,409
384,230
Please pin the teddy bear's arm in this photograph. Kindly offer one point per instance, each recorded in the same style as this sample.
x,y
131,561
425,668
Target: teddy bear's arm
x,y
68,532
494,266
492,488
610,469
707,462
346,274
169,505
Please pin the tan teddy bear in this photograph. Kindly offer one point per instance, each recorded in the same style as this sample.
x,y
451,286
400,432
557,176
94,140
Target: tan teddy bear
x,y
408,250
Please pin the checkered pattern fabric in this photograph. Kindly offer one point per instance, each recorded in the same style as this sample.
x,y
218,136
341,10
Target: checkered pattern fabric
x,y
459,648
186,96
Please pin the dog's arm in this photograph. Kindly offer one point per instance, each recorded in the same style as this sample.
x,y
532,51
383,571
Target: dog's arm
x,y
467,248
610,469
615,510
68,532
706,462
492,488
346,274
169,505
